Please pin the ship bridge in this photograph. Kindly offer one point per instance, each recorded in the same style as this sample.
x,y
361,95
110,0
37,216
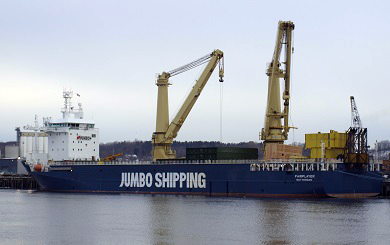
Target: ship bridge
x,y
72,138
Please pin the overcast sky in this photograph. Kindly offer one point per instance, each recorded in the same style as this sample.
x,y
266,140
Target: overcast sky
x,y
110,52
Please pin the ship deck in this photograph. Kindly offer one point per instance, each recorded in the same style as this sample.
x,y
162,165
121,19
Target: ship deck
x,y
255,165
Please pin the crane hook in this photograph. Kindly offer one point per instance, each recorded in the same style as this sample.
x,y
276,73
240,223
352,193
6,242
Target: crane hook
x,y
221,69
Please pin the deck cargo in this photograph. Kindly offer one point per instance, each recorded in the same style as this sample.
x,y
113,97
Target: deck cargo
x,y
221,153
333,143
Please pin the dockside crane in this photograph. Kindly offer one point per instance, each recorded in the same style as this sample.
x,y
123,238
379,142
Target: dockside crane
x,y
162,139
274,131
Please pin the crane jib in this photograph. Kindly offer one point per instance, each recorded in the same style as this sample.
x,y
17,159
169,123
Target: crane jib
x,y
191,65
166,131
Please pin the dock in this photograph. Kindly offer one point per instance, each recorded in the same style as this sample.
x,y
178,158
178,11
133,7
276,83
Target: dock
x,y
17,181
385,188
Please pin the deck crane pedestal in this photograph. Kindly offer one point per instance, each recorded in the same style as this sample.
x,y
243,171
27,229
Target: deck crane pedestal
x,y
162,139
356,148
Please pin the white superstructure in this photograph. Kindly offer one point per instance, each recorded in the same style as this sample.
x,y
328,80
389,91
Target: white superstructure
x,y
72,137
32,142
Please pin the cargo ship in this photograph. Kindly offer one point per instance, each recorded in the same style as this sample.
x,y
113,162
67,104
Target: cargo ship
x,y
73,163
217,178
73,166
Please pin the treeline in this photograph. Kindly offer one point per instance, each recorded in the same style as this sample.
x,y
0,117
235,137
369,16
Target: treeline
x,y
143,149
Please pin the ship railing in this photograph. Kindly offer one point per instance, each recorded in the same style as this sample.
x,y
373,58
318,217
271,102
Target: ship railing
x,y
170,162
303,160
294,166
255,165
307,166
165,162
228,161
56,163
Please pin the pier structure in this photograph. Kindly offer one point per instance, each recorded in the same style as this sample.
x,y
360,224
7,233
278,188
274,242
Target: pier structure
x,y
15,181
386,188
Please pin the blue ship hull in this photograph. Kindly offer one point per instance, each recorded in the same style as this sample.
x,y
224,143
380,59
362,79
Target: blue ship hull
x,y
209,179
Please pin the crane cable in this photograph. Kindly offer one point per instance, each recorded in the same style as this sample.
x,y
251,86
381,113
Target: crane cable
x,y
292,64
190,65
186,94
221,67
220,110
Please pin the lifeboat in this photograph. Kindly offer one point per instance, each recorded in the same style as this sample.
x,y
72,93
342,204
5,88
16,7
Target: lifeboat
x,y
38,167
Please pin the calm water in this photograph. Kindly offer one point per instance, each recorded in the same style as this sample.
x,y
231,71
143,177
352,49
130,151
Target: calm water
x,y
50,218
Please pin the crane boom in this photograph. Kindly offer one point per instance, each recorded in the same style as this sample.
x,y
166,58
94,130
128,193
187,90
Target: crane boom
x,y
355,118
274,131
162,139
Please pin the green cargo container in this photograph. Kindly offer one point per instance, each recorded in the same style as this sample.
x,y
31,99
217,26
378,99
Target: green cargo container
x,y
221,153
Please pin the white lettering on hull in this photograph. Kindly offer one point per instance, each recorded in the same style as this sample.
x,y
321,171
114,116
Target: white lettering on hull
x,y
164,180
303,177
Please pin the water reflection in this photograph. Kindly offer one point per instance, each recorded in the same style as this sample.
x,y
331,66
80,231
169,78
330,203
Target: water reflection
x,y
273,221
160,219
50,218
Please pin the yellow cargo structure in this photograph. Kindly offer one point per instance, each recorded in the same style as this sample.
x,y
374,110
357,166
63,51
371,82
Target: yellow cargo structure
x,y
334,143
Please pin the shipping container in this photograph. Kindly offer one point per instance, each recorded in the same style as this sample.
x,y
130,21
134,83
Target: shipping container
x,y
221,153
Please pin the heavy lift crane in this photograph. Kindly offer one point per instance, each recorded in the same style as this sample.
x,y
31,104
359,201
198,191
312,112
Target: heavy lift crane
x,y
274,131
162,139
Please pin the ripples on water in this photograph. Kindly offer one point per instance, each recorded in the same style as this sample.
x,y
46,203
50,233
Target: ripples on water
x,y
53,218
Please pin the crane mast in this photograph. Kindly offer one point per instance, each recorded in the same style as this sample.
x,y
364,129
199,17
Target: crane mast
x,y
274,131
355,118
162,139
